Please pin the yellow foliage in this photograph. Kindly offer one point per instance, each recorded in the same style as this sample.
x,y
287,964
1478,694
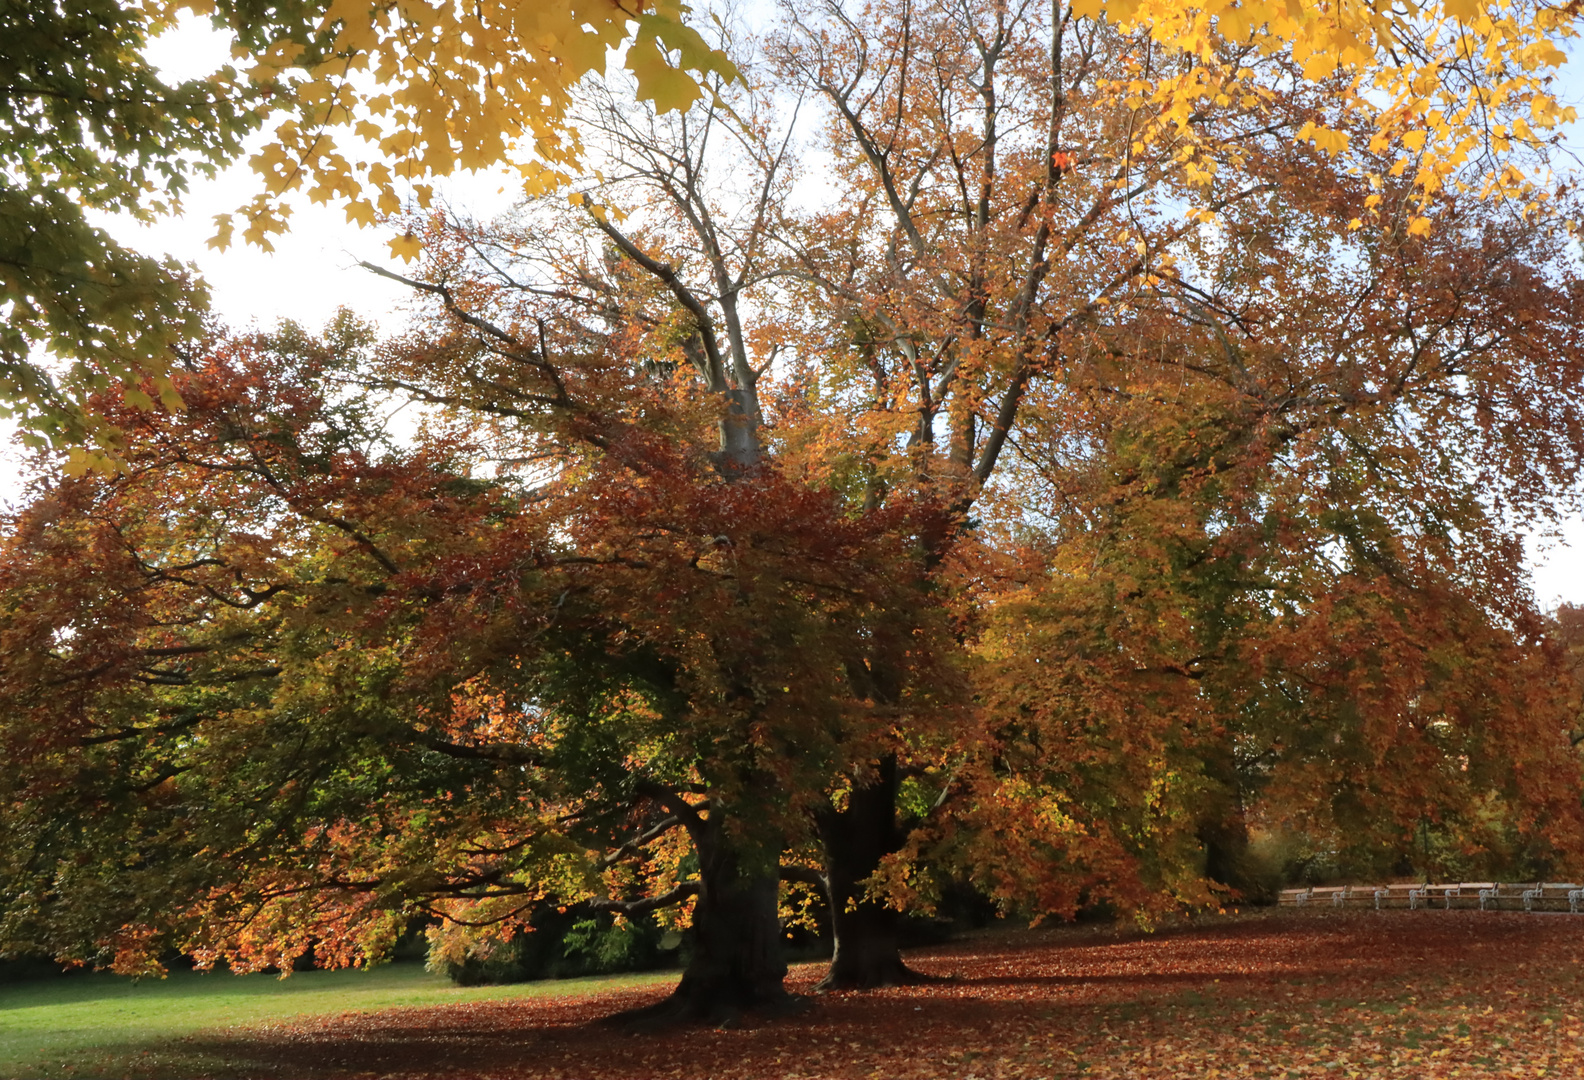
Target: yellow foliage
x,y
406,247
459,87
1407,69
222,233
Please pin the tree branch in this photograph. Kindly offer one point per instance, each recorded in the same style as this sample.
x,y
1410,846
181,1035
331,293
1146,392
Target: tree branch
x,y
631,908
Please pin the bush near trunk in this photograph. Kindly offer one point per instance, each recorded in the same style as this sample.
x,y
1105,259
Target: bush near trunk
x,y
559,944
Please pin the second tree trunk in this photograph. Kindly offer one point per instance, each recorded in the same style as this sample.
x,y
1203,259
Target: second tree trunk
x,y
867,935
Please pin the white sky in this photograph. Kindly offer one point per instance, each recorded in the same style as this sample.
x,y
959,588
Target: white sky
x,y
314,271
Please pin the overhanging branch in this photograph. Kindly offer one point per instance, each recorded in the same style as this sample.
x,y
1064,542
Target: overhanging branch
x,y
644,906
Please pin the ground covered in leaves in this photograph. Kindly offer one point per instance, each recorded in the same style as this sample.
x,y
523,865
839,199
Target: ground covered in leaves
x,y
1281,994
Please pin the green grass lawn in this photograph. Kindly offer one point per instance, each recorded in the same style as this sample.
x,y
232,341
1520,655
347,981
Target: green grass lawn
x,y
101,1025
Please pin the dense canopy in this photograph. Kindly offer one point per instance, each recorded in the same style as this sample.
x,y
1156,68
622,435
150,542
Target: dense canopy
x,y
919,464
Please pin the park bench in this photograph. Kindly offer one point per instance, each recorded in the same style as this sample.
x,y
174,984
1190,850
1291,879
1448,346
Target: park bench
x,y
1329,893
1473,894
1512,895
1399,894
1464,894
1482,895
1550,895
1338,895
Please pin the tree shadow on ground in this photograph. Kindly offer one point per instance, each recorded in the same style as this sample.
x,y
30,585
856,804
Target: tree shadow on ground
x,y
1030,1004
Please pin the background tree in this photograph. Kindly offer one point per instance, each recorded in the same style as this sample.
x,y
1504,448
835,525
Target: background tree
x,y
1289,572
1010,205
1568,636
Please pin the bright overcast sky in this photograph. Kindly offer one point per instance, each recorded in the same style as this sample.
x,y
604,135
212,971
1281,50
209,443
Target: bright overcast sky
x,y
314,271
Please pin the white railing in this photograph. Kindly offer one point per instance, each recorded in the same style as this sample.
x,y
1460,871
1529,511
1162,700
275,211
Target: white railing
x,y
1539,896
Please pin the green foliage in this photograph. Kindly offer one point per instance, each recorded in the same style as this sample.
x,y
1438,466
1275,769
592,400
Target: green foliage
x,y
609,945
87,123
555,943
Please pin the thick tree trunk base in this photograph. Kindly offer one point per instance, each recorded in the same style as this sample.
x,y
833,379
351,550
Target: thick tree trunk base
x,y
883,972
868,956
867,935
736,965
689,1008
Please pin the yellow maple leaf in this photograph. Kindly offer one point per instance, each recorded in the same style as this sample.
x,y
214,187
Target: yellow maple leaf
x,y
406,247
360,211
671,90
223,231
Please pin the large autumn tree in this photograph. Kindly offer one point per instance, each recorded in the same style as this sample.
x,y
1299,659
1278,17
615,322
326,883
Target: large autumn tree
x,y
741,445
1281,581
997,219
282,684
985,208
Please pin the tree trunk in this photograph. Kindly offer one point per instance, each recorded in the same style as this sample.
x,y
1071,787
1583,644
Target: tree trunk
x,y
1223,830
867,935
736,963
868,952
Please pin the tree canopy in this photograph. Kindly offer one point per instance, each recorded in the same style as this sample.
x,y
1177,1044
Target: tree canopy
x,y
365,106
1058,497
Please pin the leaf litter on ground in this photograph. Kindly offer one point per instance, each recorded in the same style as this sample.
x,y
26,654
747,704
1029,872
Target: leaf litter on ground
x,y
1271,995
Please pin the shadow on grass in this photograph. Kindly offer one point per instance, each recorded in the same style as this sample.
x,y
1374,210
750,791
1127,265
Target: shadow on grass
x,y
1317,988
